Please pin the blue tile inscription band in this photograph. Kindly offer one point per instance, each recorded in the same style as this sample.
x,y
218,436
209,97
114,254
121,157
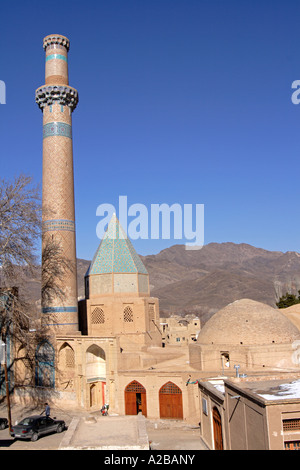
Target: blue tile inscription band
x,y
59,309
56,56
57,128
58,224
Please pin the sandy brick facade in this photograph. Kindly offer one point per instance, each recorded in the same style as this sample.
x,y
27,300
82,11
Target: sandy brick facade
x,y
57,103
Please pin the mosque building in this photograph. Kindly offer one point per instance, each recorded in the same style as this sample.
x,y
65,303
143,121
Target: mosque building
x,y
108,347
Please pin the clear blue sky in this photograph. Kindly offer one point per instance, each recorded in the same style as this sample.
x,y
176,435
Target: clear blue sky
x,y
181,101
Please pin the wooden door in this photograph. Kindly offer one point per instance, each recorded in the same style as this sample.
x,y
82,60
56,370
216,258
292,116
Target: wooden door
x,y
92,395
144,404
130,403
217,426
170,402
135,399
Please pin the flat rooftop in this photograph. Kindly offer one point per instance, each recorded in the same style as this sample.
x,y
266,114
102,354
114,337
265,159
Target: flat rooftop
x,y
270,389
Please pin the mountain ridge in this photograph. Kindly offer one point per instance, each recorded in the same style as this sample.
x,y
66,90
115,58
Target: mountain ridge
x,y
201,282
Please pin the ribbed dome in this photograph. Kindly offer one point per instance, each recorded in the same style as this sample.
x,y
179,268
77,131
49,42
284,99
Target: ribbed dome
x,y
248,322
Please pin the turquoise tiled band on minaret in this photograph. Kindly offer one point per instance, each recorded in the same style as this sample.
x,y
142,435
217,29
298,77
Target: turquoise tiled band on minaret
x,y
56,56
59,309
57,128
58,224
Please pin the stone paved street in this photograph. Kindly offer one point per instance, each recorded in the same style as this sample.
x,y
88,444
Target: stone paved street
x,y
50,442
162,434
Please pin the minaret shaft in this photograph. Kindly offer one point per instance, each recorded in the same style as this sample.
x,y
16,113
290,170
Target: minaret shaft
x,y
57,101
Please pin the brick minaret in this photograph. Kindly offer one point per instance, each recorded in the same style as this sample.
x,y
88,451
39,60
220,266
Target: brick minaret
x,y
57,100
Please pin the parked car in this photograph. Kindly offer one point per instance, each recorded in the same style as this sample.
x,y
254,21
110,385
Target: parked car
x,y
3,423
33,427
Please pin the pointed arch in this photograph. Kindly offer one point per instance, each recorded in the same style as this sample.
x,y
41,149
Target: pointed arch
x,y
135,386
95,362
66,356
170,401
135,399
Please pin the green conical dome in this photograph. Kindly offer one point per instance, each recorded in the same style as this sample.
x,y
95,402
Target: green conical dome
x,y
116,253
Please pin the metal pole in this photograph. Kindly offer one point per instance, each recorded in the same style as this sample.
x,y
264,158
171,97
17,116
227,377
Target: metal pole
x,y
237,370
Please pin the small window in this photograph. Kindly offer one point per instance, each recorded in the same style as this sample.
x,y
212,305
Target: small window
x,y
128,315
291,424
97,316
225,360
70,358
151,311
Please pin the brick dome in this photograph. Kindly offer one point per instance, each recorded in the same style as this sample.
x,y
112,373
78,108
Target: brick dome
x,y
248,322
293,314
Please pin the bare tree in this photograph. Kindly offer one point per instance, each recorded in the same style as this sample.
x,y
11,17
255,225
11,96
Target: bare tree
x,y
20,250
20,227
20,231
20,242
55,265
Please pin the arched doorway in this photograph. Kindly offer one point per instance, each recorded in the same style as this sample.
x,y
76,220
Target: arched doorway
x,y
65,377
66,357
95,362
93,399
96,375
135,399
170,402
217,427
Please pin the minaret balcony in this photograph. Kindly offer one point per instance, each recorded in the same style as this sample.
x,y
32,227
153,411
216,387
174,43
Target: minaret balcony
x,y
61,94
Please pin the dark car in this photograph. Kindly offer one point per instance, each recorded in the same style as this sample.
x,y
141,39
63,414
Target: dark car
x,y
3,423
33,427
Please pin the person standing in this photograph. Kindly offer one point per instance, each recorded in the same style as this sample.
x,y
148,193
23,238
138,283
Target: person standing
x,y
46,410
